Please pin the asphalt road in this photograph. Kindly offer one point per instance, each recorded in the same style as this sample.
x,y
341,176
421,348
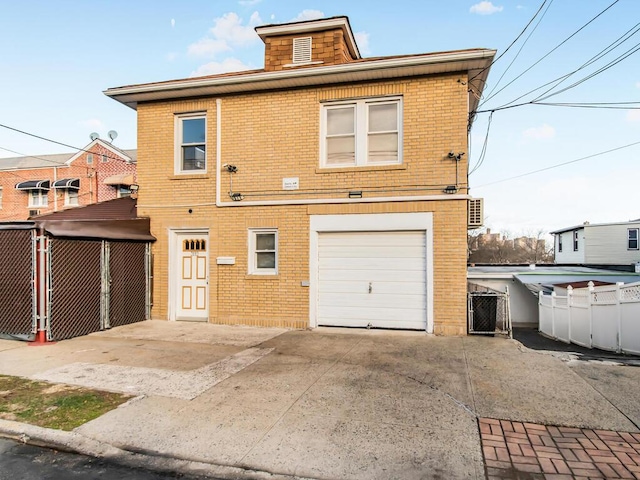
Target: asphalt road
x,y
26,462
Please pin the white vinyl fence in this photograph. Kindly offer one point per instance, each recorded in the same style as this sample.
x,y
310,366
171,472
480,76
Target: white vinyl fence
x,y
606,317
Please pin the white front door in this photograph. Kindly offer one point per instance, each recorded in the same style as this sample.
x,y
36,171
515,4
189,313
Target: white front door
x,y
191,276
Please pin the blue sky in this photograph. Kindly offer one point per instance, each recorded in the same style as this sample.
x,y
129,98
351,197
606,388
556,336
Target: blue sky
x,y
56,58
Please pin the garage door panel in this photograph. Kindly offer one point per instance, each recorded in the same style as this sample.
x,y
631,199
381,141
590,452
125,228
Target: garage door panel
x,y
351,315
366,300
372,239
337,275
405,264
380,287
388,251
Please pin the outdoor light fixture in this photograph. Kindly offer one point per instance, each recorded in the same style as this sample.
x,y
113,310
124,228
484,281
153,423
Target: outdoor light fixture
x,y
355,194
236,196
230,168
450,189
134,188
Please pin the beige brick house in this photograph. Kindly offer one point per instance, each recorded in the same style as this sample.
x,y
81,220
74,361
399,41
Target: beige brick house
x,y
42,184
324,189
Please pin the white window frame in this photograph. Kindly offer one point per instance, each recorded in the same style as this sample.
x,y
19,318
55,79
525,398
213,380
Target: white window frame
x,y
179,118
89,158
629,239
252,263
576,240
71,200
361,130
560,243
0,198
42,198
104,158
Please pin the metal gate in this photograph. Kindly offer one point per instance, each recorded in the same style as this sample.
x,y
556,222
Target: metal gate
x,y
127,274
488,310
95,285
75,287
17,284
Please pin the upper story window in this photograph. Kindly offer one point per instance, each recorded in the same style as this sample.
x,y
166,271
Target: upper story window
x,y
191,142
104,159
575,240
0,197
71,198
38,198
632,239
89,158
560,242
361,133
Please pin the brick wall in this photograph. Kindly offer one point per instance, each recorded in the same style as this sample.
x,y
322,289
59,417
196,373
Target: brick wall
x,y
275,135
15,203
328,47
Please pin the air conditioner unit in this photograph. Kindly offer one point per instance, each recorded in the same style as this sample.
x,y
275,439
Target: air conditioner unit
x,y
34,213
475,212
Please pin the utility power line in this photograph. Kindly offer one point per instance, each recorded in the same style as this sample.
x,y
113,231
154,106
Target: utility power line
x,y
559,165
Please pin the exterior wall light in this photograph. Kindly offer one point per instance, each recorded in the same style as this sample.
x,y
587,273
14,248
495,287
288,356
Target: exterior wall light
x,y
355,194
450,189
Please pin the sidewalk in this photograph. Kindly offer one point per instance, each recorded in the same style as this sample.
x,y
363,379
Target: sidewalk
x,y
241,402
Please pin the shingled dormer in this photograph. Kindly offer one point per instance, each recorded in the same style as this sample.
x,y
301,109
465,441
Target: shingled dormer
x,y
328,41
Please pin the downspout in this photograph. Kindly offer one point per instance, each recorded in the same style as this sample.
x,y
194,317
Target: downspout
x,y
218,149
55,191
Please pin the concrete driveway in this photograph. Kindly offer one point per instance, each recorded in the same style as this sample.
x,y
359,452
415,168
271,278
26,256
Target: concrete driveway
x,y
328,403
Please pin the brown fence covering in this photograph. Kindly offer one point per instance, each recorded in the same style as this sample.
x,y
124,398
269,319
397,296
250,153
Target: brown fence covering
x,y
128,283
76,279
16,283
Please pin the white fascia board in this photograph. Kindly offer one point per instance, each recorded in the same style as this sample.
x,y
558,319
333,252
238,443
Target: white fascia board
x,y
347,72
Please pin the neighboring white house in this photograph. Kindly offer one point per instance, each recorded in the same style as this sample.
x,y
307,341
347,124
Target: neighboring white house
x,y
598,244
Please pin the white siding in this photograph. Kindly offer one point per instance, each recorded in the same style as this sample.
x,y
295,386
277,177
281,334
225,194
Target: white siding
x,y
568,254
607,244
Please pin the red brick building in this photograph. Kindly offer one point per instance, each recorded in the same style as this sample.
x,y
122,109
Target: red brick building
x,y
37,185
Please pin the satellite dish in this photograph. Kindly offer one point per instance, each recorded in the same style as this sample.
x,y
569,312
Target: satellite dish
x,y
93,136
112,135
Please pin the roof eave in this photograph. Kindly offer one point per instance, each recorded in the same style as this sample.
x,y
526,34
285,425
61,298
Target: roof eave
x,y
478,60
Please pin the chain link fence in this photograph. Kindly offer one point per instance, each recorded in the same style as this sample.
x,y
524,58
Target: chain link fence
x,y
17,284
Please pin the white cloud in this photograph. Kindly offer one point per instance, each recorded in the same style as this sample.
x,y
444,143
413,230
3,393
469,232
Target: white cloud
x,y
544,132
362,39
173,23
637,84
225,66
272,17
171,56
308,15
249,3
633,116
521,7
485,8
228,31
208,47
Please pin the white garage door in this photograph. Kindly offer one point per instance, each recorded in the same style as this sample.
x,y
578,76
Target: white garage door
x,y
372,279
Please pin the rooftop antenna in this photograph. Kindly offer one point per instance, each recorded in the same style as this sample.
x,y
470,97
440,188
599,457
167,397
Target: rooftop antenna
x,y
94,136
112,135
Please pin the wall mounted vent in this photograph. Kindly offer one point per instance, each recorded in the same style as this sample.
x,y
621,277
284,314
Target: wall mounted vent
x,y
475,212
302,50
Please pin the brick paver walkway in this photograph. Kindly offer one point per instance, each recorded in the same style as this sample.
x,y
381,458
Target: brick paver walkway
x,y
528,451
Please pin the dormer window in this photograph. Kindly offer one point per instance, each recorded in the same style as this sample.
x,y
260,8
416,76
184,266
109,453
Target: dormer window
x,y
302,50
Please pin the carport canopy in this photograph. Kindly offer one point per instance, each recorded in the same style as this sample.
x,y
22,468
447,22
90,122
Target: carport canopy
x,y
34,185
